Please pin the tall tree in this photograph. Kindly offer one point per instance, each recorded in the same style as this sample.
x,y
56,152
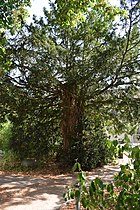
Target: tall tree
x,y
89,67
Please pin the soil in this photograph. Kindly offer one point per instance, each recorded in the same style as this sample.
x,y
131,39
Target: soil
x,y
43,190
70,206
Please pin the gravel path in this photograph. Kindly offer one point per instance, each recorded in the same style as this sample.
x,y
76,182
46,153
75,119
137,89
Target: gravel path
x,y
41,193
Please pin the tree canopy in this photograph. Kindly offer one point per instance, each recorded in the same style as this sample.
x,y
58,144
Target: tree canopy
x,y
12,12
12,16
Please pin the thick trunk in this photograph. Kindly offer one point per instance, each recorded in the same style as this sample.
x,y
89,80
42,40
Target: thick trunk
x,y
71,125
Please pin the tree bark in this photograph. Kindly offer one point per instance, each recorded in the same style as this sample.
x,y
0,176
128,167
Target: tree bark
x,y
71,124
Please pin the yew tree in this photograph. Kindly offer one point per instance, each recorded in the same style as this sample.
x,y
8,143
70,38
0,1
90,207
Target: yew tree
x,y
77,67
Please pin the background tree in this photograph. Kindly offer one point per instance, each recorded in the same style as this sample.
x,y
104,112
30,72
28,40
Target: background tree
x,y
12,16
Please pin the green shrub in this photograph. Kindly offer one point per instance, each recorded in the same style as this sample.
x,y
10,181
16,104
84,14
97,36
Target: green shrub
x,y
90,154
33,139
9,161
90,150
122,193
96,152
75,152
5,135
114,149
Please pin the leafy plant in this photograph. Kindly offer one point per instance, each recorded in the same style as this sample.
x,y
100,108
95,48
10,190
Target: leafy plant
x,y
115,149
122,193
91,150
9,161
5,135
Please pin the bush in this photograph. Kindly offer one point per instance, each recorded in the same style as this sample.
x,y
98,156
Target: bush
x,y
74,153
122,193
5,135
91,150
114,149
9,161
33,139
90,153
96,152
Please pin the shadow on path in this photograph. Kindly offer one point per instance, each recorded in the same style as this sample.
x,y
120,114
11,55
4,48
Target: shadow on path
x,y
29,193
24,190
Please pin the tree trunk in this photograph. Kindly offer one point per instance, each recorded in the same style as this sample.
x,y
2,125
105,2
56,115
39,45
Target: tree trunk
x,y
71,124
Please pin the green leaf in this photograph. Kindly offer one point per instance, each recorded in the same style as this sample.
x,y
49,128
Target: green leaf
x,y
110,188
91,191
125,177
77,193
81,176
74,167
93,187
126,138
99,183
3,49
84,202
78,166
115,143
72,194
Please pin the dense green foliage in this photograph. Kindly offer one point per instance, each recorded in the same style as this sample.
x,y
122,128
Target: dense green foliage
x,y
8,160
122,193
12,17
12,11
72,77
5,135
92,150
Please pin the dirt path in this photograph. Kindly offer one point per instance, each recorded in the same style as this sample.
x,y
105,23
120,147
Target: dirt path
x,y
41,193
